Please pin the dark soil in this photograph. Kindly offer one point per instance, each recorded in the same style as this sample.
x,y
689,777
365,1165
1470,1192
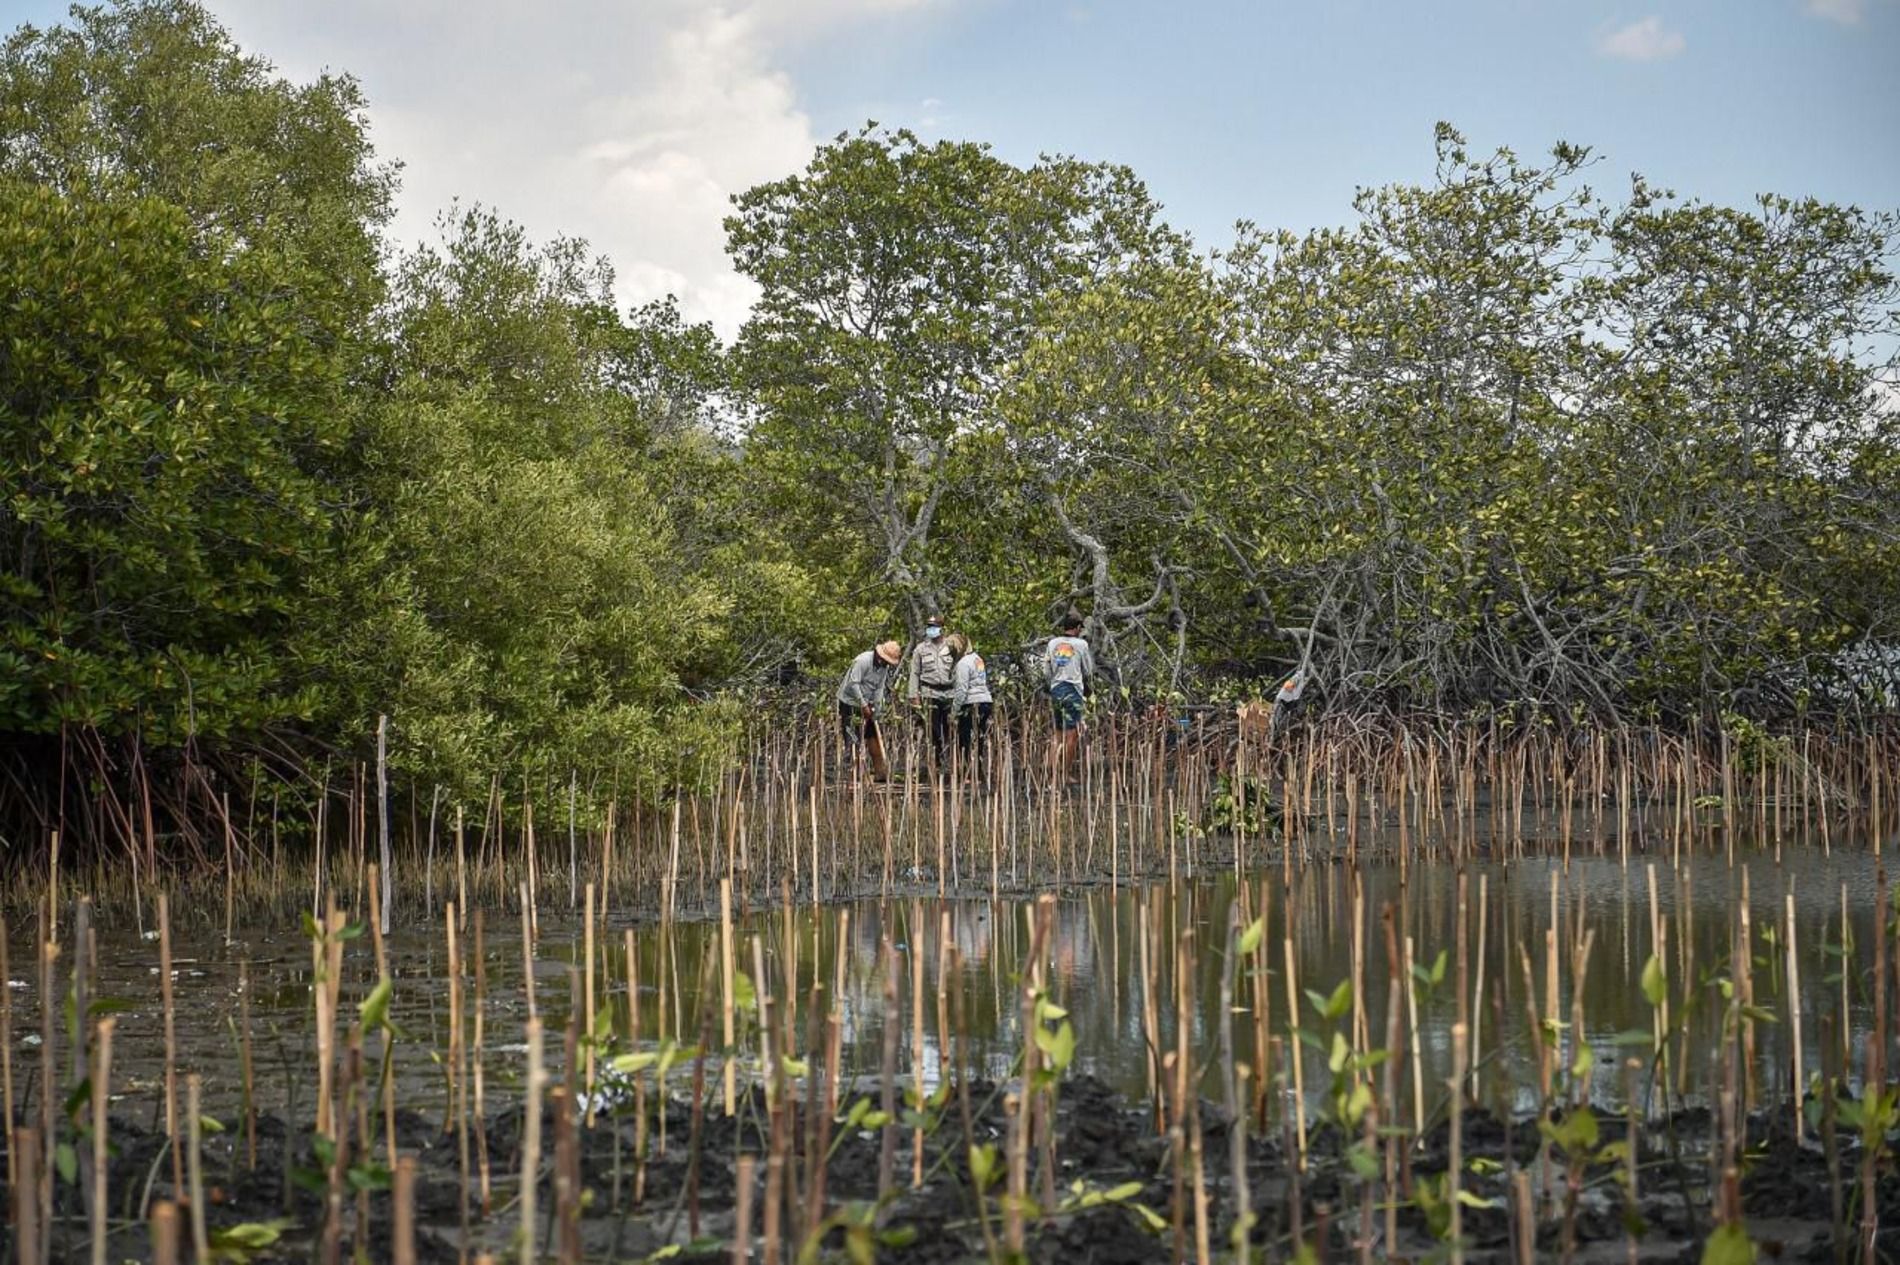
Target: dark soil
x,y
1102,1141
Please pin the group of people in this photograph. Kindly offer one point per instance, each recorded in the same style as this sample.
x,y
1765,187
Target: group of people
x,y
948,683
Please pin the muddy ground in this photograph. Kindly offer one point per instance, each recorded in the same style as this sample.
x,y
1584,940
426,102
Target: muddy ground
x,y
1114,1182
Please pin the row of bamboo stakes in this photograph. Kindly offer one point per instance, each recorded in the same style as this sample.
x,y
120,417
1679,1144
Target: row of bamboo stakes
x,y
778,819
1265,1084
1148,796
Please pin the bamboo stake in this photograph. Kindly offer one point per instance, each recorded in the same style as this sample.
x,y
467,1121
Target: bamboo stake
x,y
1454,1162
728,1030
916,953
1794,1022
101,1146
531,1140
6,1061
477,1052
200,1240
164,1233
1233,1076
742,1211
403,1227
1294,1047
171,1044
587,916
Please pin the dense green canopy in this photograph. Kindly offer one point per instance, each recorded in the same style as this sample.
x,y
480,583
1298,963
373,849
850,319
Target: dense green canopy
x,y
1500,441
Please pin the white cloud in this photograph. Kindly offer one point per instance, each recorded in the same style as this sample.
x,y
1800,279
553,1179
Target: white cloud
x,y
1846,12
627,124
1643,40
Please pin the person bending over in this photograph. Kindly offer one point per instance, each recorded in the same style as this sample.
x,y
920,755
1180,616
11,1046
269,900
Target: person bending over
x,y
866,685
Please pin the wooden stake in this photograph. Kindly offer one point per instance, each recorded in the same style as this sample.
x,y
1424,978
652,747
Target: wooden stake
x,y
200,1239
101,1149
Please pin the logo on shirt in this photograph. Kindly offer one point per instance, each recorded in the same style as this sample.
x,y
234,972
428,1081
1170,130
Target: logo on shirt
x,y
1063,650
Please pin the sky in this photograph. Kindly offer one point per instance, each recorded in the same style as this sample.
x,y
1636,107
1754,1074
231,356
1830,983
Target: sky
x,y
631,122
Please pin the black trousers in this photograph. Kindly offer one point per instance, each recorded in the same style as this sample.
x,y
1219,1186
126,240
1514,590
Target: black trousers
x,y
856,726
973,731
937,716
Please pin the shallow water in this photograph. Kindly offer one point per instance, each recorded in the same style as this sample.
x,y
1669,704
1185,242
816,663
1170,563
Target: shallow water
x,y
1097,972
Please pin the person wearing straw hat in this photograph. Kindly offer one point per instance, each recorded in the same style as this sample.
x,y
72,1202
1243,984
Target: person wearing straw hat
x,y
866,685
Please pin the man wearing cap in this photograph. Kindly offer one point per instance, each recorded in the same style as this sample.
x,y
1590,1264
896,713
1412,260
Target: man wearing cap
x,y
933,681
867,683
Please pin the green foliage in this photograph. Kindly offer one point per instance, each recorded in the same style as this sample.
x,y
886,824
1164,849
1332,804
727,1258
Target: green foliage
x,y
1500,442
898,281
520,598
163,417
1729,1245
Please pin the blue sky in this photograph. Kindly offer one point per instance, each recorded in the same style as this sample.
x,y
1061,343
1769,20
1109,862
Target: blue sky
x,y
1277,111
630,123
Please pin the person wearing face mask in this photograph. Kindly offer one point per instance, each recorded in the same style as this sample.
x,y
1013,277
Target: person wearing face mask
x,y
932,680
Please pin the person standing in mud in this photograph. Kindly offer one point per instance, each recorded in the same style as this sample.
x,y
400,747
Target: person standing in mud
x,y
971,703
932,669
866,686
1067,667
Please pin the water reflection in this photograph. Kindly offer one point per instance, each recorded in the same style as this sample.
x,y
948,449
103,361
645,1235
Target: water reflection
x,y
1111,965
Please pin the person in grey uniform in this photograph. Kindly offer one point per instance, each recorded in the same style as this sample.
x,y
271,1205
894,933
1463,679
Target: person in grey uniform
x,y
971,702
1067,666
932,670
866,686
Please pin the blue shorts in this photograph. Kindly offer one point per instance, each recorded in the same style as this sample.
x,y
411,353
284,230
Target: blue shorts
x,y
1067,701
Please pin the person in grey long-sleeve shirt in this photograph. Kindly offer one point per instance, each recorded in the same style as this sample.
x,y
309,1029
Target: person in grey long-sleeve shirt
x,y
971,702
867,682
866,685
